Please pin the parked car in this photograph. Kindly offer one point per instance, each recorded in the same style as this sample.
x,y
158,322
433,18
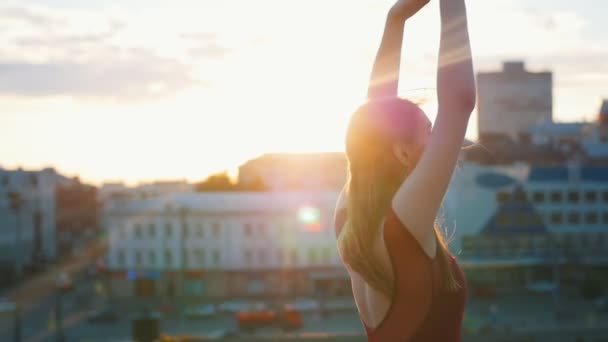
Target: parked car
x,y
304,305
258,316
601,304
7,306
105,315
233,306
201,311
64,282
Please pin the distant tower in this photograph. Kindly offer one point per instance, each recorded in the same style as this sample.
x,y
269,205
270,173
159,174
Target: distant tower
x,y
603,114
512,100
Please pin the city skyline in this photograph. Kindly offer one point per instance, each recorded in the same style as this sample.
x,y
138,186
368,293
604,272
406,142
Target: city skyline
x,y
140,91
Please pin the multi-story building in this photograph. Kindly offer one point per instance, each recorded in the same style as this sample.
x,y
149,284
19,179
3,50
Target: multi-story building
x,y
43,216
27,219
512,100
296,172
224,245
520,224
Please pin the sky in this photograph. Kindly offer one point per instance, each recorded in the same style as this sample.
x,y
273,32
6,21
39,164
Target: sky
x,y
140,90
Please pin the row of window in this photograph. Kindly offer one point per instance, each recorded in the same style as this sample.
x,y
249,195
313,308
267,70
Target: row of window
x,y
198,257
5,180
572,243
556,218
314,255
150,231
197,231
552,197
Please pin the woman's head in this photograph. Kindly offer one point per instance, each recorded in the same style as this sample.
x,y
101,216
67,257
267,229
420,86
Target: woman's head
x,y
384,142
389,134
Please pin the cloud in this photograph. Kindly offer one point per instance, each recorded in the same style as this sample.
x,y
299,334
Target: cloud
x,y
130,75
205,45
87,55
30,16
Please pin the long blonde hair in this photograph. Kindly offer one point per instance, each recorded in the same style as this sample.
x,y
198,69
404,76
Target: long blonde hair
x,y
375,175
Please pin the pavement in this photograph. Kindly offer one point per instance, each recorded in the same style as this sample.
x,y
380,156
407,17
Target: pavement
x,y
507,315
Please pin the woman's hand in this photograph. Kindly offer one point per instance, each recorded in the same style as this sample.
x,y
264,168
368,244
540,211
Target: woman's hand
x,y
405,9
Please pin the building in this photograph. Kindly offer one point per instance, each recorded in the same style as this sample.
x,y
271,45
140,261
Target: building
x,y
512,100
43,216
224,245
296,172
27,234
77,216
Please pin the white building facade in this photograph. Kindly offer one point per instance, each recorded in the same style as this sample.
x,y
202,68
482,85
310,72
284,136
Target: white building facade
x,y
223,245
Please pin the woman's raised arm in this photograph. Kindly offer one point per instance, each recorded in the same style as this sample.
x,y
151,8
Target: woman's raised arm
x,y
384,81
417,201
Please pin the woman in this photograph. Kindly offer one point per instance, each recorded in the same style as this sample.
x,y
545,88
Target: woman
x,y
406,284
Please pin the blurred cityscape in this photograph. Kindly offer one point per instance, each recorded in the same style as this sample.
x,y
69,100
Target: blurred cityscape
x,y
255,258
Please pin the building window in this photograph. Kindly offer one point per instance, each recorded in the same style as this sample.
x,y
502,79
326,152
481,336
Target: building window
x,y
605,196
122,231
295,258
262,257
538,197
280,257
200,256
605,218
168,258
168,230
138,232
556,197
247,228
262,229
152,231
520,197
573,197
312,256
537,220
248,256
216,230
591,218
216,257
138,259
5,180
326,257
152,258
120,258
34,180
503,197
574,218
200,230
185,261
590,196
503,219
557,218
185,229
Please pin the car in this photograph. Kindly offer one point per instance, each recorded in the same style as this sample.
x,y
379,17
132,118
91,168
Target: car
x,y
7,306
601,304
105,315
63,282
233,306
305,305
261,315
202,311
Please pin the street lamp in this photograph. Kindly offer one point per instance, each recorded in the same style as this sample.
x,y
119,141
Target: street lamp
x,y
16,202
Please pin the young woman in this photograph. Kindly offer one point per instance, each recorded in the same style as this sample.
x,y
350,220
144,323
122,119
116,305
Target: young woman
x,y
407,285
